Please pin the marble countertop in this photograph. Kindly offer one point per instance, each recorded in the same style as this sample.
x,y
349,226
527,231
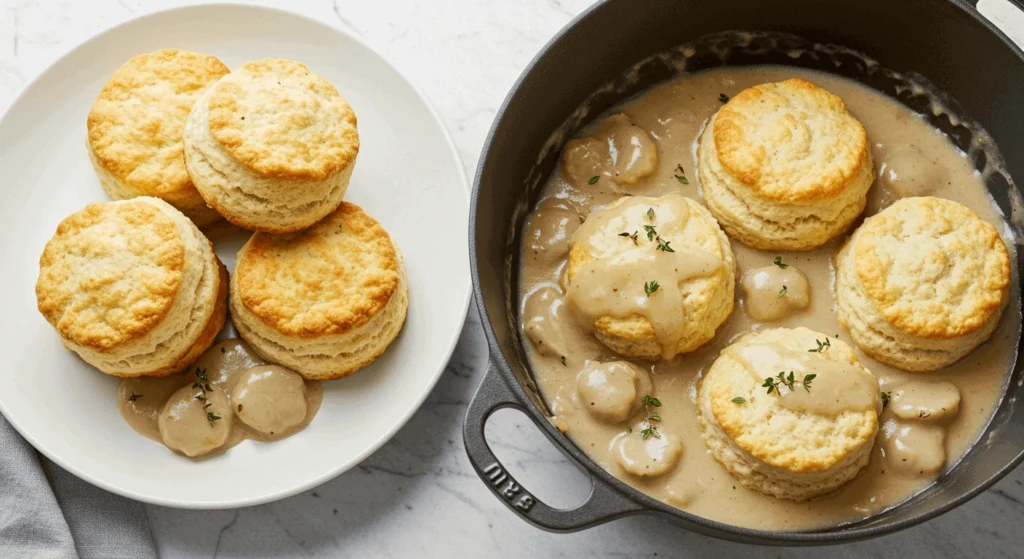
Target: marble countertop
x,y
418,495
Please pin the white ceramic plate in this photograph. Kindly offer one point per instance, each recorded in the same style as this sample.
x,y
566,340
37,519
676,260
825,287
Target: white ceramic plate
x,y
409,177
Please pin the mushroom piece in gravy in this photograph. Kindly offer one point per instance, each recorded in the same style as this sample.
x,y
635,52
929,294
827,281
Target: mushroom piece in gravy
x,y
544,321
772,292
550,229
611,392
653,456
913,448
924,400
914,438
269,398
195,421
616,149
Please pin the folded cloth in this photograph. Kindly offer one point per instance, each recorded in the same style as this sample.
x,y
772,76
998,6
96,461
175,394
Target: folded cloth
x,y
59,515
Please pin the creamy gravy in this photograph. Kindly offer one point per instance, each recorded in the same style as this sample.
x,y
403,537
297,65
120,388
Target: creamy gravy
x,y
243,397
654,139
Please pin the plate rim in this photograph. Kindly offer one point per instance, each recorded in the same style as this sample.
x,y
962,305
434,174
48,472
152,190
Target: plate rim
x,y
385,437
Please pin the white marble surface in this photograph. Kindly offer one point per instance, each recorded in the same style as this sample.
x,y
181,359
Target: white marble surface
x,y
418,496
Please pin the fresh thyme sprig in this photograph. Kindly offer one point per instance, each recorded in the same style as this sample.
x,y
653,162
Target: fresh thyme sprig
x,y
782,292
779,263
594,179
789,381
821,346
681,177
204,386
651,286
885,399
739,400
650,429
652,235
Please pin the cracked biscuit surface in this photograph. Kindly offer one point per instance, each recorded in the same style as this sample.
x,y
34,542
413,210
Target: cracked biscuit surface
x,y
134,137
785,166
325,301
272,146
922,283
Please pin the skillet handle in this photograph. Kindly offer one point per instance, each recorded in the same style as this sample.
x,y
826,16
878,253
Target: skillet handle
x,y
602,505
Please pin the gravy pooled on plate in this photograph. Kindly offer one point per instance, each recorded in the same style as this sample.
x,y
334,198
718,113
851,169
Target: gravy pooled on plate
x,y
228,395
605,400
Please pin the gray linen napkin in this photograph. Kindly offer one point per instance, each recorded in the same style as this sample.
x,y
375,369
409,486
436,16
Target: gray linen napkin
x,y
59,515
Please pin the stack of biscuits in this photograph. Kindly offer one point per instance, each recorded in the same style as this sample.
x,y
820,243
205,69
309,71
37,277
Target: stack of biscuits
x,y
180,141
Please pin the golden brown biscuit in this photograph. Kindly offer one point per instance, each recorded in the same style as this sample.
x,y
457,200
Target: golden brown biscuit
x,y
132,286
135,128
785,166
793,443
272,146
922,283
325,301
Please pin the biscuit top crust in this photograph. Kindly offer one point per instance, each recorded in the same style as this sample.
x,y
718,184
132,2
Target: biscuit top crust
x,y
134,128
932,267
798,442
110,273
328,279
283,121
790,141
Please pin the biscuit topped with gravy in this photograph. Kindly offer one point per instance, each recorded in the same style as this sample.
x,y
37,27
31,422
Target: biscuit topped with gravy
x,y
790,413
272,146
654,276
922,283
133,287
135,128
785,166
325,301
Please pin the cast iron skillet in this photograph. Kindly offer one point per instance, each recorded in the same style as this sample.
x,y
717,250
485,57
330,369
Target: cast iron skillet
x,y
946,41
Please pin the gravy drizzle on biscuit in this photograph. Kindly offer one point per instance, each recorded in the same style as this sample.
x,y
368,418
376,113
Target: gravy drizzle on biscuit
x,y
837,387
623,278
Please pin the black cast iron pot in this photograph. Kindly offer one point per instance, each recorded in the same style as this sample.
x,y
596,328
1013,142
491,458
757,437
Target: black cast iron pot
x,y
610,50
